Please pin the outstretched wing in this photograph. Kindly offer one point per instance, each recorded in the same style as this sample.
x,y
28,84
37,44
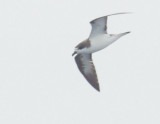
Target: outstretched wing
x,y
86,67
99,25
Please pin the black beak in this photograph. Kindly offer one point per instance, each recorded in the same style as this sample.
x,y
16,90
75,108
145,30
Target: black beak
x,y
74,53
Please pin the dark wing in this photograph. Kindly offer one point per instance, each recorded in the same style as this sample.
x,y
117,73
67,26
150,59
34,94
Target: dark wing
x,y
83,44
86,67
99,25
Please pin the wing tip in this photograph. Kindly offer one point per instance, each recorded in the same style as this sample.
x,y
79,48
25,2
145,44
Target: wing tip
x,y
98,90
120,13
111,15
97,87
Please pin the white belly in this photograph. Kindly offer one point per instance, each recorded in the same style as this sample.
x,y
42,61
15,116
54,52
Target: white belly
x,y
99,43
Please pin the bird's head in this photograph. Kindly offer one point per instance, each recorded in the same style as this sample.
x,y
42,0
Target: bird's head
x,y
74,53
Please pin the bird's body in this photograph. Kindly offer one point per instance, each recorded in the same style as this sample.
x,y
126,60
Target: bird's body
x,y
98,40
96,43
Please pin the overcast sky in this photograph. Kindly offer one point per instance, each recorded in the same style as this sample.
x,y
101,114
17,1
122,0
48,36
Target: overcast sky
x,y
40,82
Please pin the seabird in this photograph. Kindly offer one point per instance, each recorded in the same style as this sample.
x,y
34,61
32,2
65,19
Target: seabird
x,y
97,40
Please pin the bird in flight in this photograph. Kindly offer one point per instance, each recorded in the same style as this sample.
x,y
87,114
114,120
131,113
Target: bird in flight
x,y
97,40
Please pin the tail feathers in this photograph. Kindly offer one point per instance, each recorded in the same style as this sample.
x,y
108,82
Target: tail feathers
x,y
122,34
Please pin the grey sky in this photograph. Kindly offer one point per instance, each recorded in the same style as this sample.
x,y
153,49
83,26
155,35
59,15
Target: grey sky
x,y
39,80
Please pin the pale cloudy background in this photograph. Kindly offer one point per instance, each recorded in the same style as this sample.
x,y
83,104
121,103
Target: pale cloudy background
x,y
40,83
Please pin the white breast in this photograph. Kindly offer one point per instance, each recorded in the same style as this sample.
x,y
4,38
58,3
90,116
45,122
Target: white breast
x,y
98,42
